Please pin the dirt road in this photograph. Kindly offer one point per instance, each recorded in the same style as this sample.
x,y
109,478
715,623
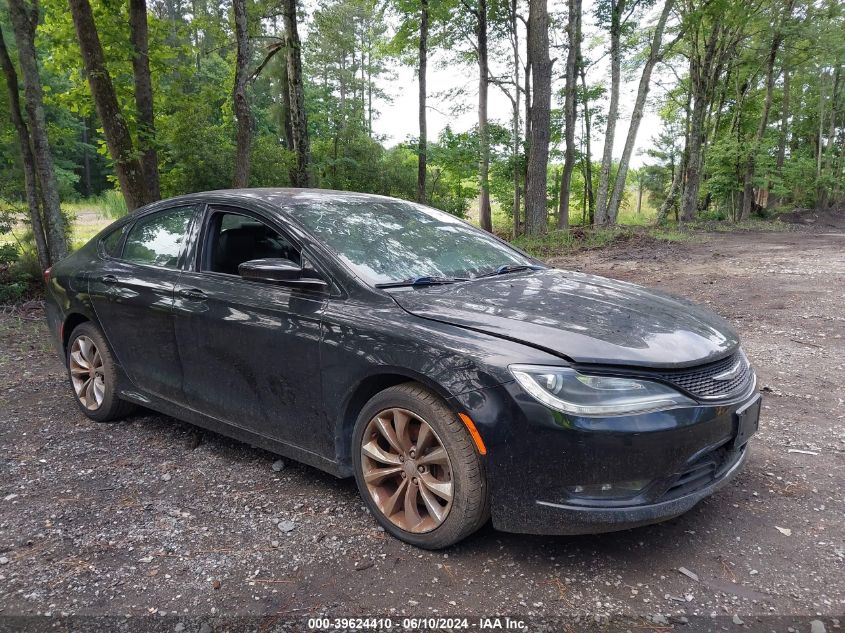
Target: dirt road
x,y
147,518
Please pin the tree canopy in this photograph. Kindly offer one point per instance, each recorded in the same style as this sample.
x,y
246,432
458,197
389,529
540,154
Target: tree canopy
x,y
166,97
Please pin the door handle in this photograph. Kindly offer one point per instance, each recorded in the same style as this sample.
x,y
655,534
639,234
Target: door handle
x,y
194,294
109,279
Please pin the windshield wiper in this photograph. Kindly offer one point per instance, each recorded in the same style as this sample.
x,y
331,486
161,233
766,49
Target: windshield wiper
x,y
509,268
426,280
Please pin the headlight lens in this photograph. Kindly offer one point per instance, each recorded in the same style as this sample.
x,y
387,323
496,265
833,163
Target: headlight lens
x,y
566,390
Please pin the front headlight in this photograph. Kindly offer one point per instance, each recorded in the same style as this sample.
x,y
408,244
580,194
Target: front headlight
x,y
566,390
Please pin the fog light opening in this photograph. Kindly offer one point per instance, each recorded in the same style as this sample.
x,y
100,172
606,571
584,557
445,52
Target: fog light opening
x,y
615,490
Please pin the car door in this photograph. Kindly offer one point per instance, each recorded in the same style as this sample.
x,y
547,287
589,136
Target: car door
x,y
249,349
132,295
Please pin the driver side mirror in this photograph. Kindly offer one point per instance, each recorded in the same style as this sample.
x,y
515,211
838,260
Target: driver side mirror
x,y
280,271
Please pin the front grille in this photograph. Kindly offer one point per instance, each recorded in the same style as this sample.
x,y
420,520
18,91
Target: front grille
x,y
699,381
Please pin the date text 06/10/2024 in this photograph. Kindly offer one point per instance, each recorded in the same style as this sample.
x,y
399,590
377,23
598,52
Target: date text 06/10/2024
x,y
417,624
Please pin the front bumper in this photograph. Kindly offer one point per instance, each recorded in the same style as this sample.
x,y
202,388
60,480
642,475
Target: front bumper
x,y
555,518
537,458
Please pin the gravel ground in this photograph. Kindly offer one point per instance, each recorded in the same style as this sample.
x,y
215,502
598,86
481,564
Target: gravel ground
x,y
158,525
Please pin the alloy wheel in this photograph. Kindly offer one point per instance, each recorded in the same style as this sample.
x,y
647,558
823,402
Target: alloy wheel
x,y
86,373
407,471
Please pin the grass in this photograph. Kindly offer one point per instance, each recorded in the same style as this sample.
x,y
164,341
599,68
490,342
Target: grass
x,y
672,234
82,233
754,224
577,238
112,204
87,217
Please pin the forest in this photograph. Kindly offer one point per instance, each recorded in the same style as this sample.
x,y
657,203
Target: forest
x,y
130,102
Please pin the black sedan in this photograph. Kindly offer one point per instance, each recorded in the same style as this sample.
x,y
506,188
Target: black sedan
x,y
453,376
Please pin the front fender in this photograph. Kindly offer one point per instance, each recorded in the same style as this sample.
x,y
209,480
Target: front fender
x,y
365,349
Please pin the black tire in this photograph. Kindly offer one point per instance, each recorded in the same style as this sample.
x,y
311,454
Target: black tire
x,y
470,506
111,408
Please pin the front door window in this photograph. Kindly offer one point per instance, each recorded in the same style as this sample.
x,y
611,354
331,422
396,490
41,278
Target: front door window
x,y
234,238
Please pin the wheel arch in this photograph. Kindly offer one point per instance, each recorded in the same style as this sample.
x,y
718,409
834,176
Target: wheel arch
x,y
71,321
362,392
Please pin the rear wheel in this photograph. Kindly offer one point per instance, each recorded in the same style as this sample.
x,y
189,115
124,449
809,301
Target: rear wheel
x,y
93,375
417,468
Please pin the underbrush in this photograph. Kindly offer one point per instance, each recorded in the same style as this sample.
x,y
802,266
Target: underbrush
x,y
19,269
584,238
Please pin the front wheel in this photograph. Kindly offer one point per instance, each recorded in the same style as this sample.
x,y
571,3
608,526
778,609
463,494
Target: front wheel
x,y
417,468
93,375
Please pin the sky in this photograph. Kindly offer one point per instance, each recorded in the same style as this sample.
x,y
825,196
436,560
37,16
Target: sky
x,y
397,118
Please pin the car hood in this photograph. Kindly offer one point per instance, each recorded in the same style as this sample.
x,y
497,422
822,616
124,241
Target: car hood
x,y
583,318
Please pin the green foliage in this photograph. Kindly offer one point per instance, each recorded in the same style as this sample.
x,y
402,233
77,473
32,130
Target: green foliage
x,y
350,48
112,204
14,277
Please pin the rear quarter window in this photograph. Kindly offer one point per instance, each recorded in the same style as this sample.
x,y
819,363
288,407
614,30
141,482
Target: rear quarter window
x,y
111,244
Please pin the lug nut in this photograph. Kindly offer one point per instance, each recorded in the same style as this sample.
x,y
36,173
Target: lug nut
x,y
401,458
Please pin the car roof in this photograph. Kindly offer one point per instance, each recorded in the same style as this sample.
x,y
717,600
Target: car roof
x,y
280,197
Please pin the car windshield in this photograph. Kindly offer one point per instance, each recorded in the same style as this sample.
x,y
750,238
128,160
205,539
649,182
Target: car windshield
x,y
386,241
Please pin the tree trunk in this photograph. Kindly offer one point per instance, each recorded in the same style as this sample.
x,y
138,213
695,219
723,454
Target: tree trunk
x,y
300,174
570,109
704,72
27,159
144,96
484,212
654,55
820,135
286,108
86,158
689,204
516,126
639,197
557,175
536,211
243,115
669,202
24,18
127,167
617,7
784,137
748,180
422,147
588,154
369,90
682,167
527,118
824,198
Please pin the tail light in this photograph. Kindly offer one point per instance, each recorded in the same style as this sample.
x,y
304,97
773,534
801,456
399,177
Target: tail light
x,y
47,275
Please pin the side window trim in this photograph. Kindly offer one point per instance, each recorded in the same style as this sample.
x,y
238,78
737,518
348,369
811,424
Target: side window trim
x,y
181,259
194,237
